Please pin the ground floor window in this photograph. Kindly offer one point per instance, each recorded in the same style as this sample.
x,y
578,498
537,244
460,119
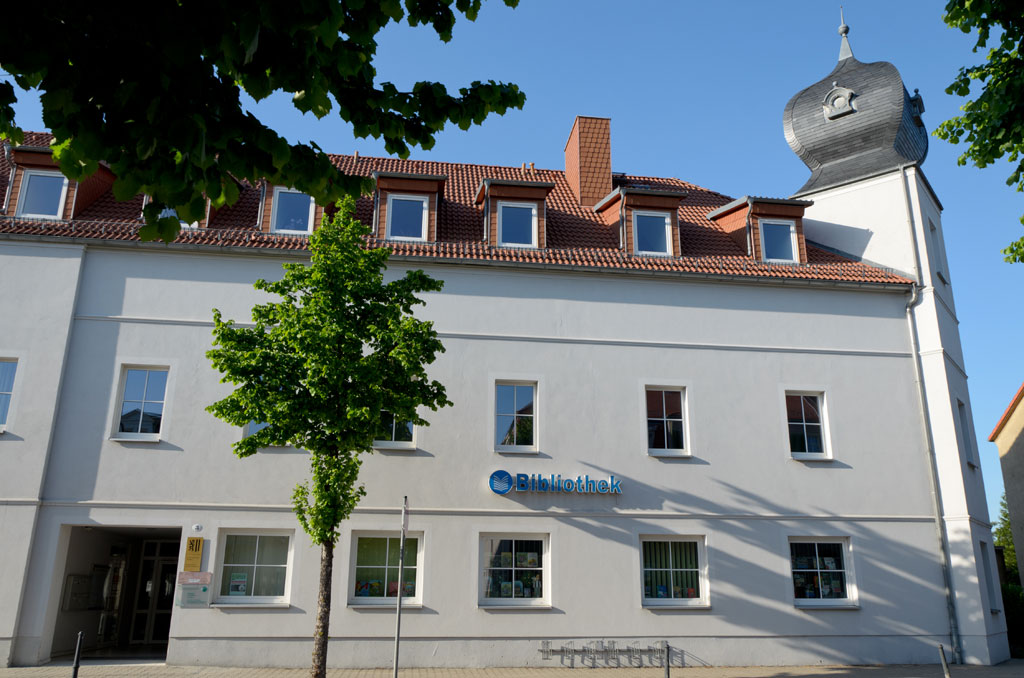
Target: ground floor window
x,y
375,569
821,571
254,567
514,569
674,571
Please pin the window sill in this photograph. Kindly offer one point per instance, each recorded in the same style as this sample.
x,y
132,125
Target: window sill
x,y
40,217
394,445
670,454
390,605
810,456
662,255
398,238
514,608
654,607
286,232
826,606
252,606
512,450
142,438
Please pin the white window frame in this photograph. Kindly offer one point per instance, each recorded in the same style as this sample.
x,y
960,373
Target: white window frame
x,y
515,449
384,601
10,406
397,445
123,436
792,238
851,599
685,450
668,233
826,434
253,601
26,173
544,602
424,224
278,190
525,205
701,602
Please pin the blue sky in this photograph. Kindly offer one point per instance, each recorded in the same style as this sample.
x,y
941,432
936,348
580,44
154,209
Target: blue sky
x,y
696,90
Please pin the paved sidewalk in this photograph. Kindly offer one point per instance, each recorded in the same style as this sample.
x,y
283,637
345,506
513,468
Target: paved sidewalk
x,y
115,669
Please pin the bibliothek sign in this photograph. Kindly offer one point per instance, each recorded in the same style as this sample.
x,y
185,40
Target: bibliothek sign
x,y
503,482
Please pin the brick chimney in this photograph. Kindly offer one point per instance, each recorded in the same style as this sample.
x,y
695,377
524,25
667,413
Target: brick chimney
x,y
588,159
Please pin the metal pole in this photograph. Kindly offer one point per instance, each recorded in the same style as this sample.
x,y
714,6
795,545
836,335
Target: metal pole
x,y
945,666
667,656
78,657
401,576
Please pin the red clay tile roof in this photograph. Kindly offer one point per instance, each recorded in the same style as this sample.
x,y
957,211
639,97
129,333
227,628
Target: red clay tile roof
x,y
1006,415
576,236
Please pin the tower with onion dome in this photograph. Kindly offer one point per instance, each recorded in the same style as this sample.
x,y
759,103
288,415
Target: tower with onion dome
x,y
862,136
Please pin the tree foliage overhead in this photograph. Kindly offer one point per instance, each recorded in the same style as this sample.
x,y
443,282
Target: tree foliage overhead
x,y
992,124
158,97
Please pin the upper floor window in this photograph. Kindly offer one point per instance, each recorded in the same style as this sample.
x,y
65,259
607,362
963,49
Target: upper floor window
x,y
514,421
805,419
517,224
142,403
778,241
171,212
665,421
652,232
42,194
407,217
293,211
394,433
7,370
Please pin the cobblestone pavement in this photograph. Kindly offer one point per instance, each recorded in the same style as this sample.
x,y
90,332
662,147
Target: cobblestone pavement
x,y
115,669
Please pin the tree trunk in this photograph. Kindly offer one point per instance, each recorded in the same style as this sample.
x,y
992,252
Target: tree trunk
x,y
323,612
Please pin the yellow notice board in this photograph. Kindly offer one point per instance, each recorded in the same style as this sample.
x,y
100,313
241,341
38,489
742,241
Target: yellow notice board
x,y
194,554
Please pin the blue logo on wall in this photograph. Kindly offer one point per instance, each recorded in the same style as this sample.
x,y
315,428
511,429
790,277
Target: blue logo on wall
x,y
500,482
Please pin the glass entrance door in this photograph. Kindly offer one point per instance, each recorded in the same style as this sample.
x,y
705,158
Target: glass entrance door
x,y
154,597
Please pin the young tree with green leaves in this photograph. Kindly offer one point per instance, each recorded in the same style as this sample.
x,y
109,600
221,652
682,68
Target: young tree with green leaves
x,y
159,101
320,366
992,124
1003,536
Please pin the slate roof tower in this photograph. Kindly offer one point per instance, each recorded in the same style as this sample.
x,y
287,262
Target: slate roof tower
x,y
856,122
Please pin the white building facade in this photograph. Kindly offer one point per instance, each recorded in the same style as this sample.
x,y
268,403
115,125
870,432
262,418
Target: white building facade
x,y
741,427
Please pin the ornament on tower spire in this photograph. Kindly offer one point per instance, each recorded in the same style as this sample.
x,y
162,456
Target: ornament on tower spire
x,y
844,48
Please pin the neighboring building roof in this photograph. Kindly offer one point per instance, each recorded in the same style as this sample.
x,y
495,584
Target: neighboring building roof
x,y
855,122
1007,414
576,236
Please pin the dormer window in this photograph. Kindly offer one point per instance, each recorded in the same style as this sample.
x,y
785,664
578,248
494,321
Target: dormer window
x,y
293,212
407,217
778,241
173,213
42,195
652,233
517,224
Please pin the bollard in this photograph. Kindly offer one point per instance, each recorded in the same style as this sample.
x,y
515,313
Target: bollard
x,y
942,656
78,657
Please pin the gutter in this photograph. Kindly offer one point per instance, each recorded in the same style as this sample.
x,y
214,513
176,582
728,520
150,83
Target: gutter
x,y
926,422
